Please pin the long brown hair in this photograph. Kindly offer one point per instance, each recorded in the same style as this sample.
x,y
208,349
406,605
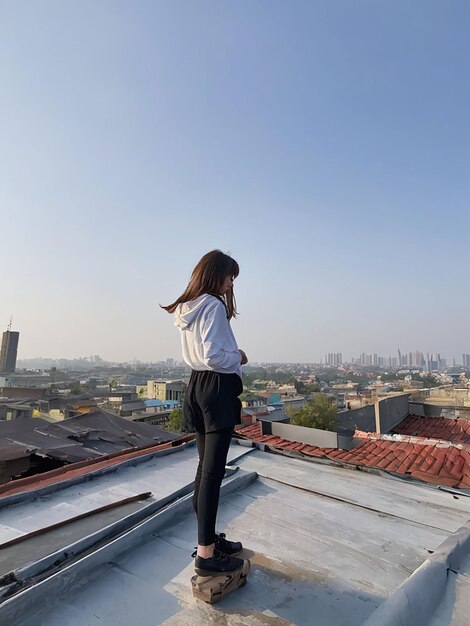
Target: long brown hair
x,y
208,277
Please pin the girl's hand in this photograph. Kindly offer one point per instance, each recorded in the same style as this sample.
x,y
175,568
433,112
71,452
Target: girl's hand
x,y
244,358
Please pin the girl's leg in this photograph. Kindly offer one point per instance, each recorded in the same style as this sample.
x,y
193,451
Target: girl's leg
x,y
200,443
216,445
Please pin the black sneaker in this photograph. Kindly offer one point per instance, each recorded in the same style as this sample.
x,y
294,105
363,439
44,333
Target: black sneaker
x,y
218,563
227,547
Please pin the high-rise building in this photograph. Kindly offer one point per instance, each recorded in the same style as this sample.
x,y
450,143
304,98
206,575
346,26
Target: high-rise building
x,y
416,359
9,351
435,364
466,360
333,358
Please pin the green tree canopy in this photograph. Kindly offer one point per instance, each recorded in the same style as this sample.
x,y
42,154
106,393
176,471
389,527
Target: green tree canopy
x,y
320,413
75,388
175,421
306,388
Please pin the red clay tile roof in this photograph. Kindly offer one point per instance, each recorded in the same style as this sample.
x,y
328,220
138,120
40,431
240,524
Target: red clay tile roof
x,y
442,464
457,430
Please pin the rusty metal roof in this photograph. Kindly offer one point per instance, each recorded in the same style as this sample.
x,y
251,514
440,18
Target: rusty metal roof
x,y
89,436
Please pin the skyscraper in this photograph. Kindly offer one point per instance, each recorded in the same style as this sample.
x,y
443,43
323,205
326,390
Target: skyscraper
x,y
9,350
333,358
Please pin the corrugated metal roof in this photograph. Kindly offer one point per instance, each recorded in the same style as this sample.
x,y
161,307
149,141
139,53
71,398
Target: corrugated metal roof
x,y
82,437
11,451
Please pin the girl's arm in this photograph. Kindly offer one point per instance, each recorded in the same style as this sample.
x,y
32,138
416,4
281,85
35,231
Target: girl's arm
x,y
218,348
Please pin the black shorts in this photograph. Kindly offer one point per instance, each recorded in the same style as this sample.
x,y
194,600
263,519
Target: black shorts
x,y
211,401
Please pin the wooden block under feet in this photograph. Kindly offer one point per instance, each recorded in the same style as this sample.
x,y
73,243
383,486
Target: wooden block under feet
x,y
211,589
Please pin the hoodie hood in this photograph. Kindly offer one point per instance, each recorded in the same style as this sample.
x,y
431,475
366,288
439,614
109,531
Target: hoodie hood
x,y
187,312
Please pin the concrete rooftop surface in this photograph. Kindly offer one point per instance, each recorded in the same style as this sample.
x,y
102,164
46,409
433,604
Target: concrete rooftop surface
x,y
328,545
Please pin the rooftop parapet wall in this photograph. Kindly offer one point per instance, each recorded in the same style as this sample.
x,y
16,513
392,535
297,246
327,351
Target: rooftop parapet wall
x,y
380,417
360,419
308,436
458,396
312,436
389,412
427,409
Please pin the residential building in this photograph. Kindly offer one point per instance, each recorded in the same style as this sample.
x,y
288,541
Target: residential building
x,y
166,390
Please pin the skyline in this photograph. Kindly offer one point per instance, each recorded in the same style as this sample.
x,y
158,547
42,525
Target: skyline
x,y
460,359
325,145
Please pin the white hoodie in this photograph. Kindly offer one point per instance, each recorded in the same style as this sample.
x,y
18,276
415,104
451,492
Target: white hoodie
x,y
206,336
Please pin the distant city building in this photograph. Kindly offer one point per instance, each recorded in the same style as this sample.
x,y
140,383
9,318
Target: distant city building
x,y
405,360
466,360
332,358
9,351
162,390
432,362
416,359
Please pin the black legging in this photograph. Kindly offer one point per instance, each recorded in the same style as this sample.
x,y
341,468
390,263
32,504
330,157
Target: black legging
x,y
213,448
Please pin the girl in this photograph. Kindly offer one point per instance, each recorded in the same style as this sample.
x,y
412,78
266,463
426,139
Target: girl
x,y
211,406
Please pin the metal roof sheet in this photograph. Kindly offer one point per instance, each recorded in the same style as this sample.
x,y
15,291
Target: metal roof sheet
x,y
81,437
327,544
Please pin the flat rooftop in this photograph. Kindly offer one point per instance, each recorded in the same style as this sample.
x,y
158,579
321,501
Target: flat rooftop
x,y
324,541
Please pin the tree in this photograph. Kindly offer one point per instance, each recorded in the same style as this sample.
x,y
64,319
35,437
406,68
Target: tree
x,y
175,421
75,388
320,413
306,388
91,385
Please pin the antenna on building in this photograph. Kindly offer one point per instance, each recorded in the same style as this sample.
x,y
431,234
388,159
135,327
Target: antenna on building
x,y
9,325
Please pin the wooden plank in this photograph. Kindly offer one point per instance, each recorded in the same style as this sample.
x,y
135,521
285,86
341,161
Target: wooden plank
x,y
106,507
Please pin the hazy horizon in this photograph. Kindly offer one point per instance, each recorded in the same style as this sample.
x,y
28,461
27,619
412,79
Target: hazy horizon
x,y
325,145
347,359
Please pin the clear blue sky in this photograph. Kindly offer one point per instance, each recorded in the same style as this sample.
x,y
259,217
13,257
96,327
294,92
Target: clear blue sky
x,y
325,144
